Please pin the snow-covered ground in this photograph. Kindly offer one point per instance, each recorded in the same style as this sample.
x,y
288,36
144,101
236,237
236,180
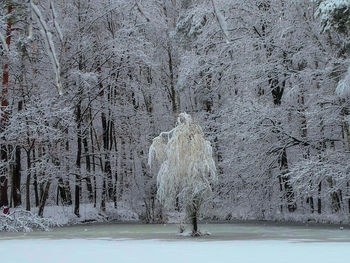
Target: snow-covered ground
x,y
139,251
64,215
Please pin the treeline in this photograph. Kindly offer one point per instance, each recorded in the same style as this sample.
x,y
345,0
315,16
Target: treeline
x,y
267,80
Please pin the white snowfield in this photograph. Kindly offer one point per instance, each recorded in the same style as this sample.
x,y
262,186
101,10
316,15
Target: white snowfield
x,y
144,251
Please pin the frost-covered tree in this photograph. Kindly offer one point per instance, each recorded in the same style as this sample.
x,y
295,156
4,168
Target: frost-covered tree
x,y
187,169
335,14
268,80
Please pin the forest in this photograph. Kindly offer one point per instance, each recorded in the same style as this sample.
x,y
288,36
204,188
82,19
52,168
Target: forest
x,y
86,86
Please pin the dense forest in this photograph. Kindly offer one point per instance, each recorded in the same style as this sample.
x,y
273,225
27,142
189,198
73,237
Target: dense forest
x,y
86,86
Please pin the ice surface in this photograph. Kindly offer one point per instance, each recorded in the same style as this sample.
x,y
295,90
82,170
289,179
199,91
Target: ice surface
x,y
124,243
125,251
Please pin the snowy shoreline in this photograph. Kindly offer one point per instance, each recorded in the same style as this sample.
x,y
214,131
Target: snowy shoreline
x,y
119,220
91,216
250,222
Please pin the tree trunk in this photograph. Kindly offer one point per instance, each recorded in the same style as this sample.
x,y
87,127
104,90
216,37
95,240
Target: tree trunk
x,y
16,175
195,225
277,91
192,211
306,152
319,200
4,202
173,94
4,116
123,166
88,169
110,146
64,192
44,198
16,180
335,199
93,159
78,162
106,164
104,193
106,147
35,184
28,181
291,204
67,189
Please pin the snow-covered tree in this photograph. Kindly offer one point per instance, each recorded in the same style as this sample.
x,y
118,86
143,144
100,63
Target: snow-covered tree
x,y
267,80
335,14
187,169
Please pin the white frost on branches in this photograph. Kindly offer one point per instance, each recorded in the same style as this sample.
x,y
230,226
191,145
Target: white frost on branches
x,y
222,22
334,13
343,88
24,221
49,44
3,41
54,18
187,168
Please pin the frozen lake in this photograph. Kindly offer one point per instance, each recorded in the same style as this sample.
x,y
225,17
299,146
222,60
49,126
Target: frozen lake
x,y
160,243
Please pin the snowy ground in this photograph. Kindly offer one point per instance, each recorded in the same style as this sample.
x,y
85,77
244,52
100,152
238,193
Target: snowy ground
x,y
125,243
64,215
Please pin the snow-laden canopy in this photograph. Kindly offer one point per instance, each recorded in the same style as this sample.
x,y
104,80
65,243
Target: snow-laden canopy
x,y
187,168
335,13
343,87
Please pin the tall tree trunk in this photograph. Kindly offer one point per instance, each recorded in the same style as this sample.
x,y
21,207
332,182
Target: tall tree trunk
x,y
110,146
115,197
192,212
93,158
285,180
16,175
67,189
103,201
319,200
277,90
173,94
348,187
16,180
78,162
88,169
64,192
44,198
123,164
4,202
107,167
29,164
104,194
4,115
335,197
306,154
35,184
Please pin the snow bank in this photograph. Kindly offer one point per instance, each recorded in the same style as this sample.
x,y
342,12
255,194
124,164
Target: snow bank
x,y
24,221
64,215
